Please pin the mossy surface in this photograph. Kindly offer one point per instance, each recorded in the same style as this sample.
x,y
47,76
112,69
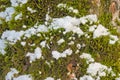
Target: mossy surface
x,y
99,48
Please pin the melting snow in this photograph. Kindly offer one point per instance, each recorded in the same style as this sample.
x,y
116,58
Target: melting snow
x,y
2,47
31,10
58,55
12,36
16,3
43,43
86,77
10,74
18,16
70,9
88,57
97,69
7,14
36,55
23,77
23,43
113,39
100,31
60,41
49,78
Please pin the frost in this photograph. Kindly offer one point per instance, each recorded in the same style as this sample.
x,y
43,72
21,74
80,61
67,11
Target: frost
x,y
16,3
49,78
2,47
31,10
23,77
100,31
10,74
12,36
18,16
88,57
58,55
7,14
113,39
60,41
86,77
36,55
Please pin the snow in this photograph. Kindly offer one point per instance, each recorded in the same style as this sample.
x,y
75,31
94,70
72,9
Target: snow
x,y
97,69
10,74
68,23
2,47
86,77
100,31
58,55
78,46
92,28
88,57
18,16
7,14
31,10
70,9
113,39
23,77
43,44
117,78
36,55
23,43
12,36
49,78
16,3
60,41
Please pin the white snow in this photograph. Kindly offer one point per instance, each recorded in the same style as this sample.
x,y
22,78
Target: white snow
x,y
68,23
16,3
49,78
31,10
58,55
92,28
117,78
18,16
36,55
70,9
23,43
86,77
12,35
10,74
2,47
7,14
88,57
97,69
113,39
43,44
100,31
60,41
23,77
78,46
71,43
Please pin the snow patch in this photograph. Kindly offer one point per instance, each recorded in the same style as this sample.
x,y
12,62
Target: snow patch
x,y
10,74
113,39
2,47
23,77
58,55
16,3
49,78
18,16
60,41
7,14
100,31
86,77
43,44
36,55
88,57
31,10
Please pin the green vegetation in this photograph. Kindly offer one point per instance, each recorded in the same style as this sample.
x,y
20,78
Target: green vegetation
x,y
99,48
